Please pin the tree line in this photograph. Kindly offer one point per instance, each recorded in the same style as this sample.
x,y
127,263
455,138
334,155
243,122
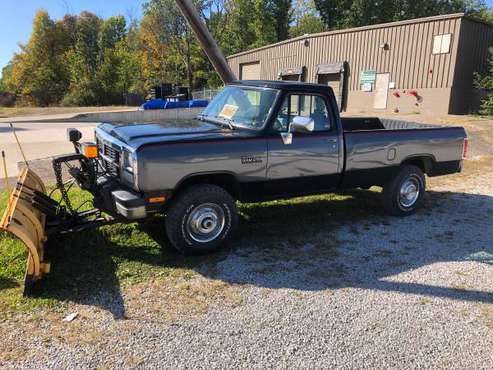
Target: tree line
x,y
86,60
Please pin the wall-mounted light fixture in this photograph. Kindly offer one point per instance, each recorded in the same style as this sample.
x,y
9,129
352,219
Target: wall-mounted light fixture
x,y
306,42
385,46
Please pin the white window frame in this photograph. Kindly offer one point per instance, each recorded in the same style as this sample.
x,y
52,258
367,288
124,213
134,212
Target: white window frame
x,y
442,43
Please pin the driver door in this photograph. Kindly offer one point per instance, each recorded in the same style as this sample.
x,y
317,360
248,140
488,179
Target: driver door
x,y
311,163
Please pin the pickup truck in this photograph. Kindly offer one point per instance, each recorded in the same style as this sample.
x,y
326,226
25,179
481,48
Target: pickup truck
x,y
259,140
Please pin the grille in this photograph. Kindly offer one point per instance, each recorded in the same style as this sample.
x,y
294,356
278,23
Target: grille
x,y
112,154
110,158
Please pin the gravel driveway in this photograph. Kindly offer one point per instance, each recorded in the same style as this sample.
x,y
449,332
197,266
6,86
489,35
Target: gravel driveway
x,y
387,293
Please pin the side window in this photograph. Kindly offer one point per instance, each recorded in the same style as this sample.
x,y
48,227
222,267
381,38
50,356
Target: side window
x,y
311,106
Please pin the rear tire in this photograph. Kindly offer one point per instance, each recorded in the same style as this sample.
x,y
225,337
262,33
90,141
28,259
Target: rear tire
x,y
403,194
201,219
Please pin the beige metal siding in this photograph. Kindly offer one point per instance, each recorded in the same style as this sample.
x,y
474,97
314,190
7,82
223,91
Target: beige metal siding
x,y
409,59
473,54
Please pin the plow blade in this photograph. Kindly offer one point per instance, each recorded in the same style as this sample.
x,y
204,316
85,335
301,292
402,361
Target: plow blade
x,y
28,224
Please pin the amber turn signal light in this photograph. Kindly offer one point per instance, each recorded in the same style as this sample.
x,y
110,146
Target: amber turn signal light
x,y
157,200
90,150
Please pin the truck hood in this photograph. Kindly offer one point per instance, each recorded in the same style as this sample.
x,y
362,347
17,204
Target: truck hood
x,y
138,134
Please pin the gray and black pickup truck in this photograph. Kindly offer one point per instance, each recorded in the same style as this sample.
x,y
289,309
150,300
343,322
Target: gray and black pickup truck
x,y
259,140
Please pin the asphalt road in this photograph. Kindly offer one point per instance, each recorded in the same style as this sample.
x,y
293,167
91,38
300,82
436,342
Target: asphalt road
x,y
38,140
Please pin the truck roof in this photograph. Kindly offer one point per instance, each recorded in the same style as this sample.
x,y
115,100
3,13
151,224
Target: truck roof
x,y
283,85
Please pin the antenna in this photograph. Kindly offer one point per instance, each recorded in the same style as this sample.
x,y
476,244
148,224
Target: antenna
x,y
19,144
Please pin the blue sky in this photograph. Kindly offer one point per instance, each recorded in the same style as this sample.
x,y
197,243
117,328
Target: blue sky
x,y
16,17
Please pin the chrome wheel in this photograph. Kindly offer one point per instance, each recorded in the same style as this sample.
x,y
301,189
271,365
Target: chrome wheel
x,y
409,192
205,223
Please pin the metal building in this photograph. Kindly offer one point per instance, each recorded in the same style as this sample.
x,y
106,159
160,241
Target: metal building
x,y
419,65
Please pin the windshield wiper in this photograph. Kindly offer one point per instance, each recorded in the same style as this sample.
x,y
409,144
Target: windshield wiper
x,y
230,125
217,120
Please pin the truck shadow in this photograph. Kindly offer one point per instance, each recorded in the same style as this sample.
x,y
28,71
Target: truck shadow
x,y
6,283
310,244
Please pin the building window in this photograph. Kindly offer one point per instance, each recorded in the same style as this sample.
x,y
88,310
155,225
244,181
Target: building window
x,y
441,43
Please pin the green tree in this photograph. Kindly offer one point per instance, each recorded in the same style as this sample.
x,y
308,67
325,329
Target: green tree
x,y
334,13
130,71
306,19
282,13
308,23
263,23
111,43
112,31
239,33
83,60
39,73
485,83
364,12
174,32
6,77
352,13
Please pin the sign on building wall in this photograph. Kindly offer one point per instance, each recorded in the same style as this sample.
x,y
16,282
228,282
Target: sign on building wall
x,y
367,79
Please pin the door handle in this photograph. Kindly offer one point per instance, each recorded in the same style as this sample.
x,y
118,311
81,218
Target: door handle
x,y
333,142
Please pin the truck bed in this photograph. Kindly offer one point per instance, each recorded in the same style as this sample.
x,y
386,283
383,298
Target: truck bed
x,y
374,146
350,124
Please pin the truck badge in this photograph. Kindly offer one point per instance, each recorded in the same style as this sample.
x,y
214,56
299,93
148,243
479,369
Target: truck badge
x,y
251,159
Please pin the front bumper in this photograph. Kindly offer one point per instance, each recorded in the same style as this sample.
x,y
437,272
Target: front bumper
x,y
129,204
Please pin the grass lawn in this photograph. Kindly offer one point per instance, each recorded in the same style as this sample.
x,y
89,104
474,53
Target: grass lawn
x,y
104,260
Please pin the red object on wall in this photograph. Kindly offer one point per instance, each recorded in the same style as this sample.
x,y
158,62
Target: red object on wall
x,y
413,93
397,94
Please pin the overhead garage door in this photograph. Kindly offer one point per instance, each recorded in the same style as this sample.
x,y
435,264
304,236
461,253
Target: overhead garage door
x,y
250,71
334,81
334,75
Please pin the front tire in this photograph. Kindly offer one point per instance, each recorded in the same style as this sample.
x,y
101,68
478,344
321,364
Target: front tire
x,y
201,219
404,193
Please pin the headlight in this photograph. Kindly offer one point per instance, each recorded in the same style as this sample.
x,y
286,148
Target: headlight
x,y
129,162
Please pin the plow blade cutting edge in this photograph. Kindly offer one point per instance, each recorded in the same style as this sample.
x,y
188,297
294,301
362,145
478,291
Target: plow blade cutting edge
x,y
28,224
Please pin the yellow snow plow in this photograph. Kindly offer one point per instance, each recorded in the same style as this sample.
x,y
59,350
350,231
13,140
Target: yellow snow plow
x,y
28,224
32,215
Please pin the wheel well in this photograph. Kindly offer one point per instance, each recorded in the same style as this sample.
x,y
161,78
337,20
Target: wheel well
x,y
224,180
424,163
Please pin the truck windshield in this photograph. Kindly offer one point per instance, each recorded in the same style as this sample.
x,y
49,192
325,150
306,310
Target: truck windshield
x,y
241,106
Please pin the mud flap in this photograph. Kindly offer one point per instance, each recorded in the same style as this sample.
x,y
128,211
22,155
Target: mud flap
x,y
28,224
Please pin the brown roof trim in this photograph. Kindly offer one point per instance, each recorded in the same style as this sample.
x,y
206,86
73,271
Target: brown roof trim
x,y
359,29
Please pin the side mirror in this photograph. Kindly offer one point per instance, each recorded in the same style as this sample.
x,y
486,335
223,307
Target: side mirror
x,y
74,135
302,124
